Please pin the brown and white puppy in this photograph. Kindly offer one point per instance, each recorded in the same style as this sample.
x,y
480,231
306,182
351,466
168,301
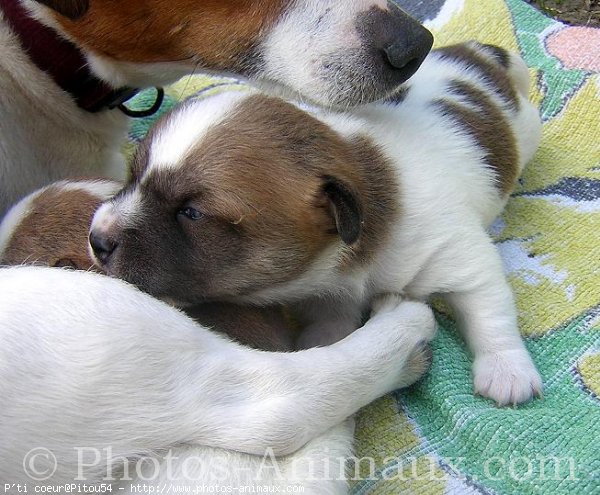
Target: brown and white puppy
x,y
50,227
66,63
252,192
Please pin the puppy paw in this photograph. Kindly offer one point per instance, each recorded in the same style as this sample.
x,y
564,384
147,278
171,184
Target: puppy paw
x,y
403,330
417,364
507,377
410,317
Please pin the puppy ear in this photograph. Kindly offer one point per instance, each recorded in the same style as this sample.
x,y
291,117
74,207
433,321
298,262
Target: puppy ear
x,y
73,9
345,209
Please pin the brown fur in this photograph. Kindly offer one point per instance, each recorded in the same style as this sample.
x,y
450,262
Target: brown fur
x,y
501,55
276,188
297,155
267,329
378,192
270,186
55,231
172,30
399,95
489,128
226,175
73,9
490,68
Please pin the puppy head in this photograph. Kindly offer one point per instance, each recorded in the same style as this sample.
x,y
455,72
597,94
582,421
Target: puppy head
x,y
50,226
331,51
260,194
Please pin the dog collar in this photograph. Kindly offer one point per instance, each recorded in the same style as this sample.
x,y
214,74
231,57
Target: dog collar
x,y
65,63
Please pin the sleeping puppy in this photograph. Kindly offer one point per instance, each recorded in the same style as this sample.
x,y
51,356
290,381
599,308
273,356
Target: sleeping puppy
x,y
68,65
50,227
262,200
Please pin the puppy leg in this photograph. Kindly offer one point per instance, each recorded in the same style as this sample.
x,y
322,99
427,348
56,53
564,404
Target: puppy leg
x,y
502,367
318,467
126,375
291,398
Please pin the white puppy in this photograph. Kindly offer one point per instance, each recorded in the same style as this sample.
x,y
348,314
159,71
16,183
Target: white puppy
x,y
101,375
338,207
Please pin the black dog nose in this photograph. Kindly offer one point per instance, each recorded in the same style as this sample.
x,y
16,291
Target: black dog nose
x,y
402,41
408,42
102,246
407,54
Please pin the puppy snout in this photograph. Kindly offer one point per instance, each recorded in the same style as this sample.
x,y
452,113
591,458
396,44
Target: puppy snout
x,y
400,41
102,246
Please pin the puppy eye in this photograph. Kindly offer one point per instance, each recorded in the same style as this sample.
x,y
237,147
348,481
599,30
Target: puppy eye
x,y
190,213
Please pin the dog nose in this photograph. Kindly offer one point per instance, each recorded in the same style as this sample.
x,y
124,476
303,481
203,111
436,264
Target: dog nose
x,y
102,246
402,42
405,57
409,42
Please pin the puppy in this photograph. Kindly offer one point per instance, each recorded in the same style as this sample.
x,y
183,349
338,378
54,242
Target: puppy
x,y
67,65
50,227
120,388
265,201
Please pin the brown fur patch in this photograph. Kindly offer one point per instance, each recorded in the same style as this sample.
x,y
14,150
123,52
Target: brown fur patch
x,y
379,195
315,154
258,178
55,232
399,95
219,34
489,69
267,329
501,55
488,126
278,178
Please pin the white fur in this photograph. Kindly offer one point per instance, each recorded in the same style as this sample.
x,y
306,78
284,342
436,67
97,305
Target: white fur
x,y
448,198
100,188
310,32
121,213
129,372
44,136
179,135
13,219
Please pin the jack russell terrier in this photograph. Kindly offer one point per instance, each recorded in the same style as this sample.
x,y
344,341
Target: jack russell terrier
x,y
67,64
248,191
50,227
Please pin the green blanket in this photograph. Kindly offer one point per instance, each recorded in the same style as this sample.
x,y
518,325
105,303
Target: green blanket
x,y
437,437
